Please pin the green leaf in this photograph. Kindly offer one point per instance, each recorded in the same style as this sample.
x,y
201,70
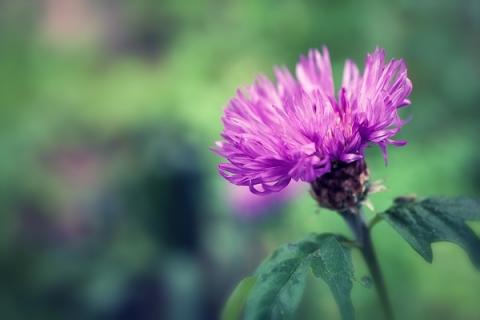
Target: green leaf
x,y
281,278
333,263
422,223
235,303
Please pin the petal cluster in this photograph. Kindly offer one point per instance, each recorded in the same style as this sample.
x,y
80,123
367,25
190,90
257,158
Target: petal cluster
x,y
296,127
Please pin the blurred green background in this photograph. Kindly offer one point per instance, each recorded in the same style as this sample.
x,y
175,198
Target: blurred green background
x,y
110,203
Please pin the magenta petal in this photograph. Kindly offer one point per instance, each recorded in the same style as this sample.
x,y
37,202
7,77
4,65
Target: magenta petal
x,y
295,127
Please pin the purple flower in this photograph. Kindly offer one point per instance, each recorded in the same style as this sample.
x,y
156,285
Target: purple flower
x,y
296,128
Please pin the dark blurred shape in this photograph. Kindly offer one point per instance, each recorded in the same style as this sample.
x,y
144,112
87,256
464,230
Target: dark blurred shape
x,y
134,209
170,174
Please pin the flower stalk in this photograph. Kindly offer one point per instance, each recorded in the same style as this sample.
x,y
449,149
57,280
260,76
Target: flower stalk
x,y
354,218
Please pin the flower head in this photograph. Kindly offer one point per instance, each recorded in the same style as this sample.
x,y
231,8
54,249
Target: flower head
x,y
297,127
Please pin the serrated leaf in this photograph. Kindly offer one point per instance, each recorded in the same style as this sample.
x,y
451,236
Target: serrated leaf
x,y
235,303
333,263
281,278
422,223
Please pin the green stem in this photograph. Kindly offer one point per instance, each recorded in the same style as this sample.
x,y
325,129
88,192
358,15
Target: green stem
x,y
357,224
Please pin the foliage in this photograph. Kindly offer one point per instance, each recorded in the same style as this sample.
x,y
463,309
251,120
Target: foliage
x,y
280,280
424,222
277,288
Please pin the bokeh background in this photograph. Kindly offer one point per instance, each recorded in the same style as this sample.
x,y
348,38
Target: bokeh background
x,y
110,203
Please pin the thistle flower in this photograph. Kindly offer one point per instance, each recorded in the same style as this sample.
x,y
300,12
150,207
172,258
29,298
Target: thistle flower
x,y
297,128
